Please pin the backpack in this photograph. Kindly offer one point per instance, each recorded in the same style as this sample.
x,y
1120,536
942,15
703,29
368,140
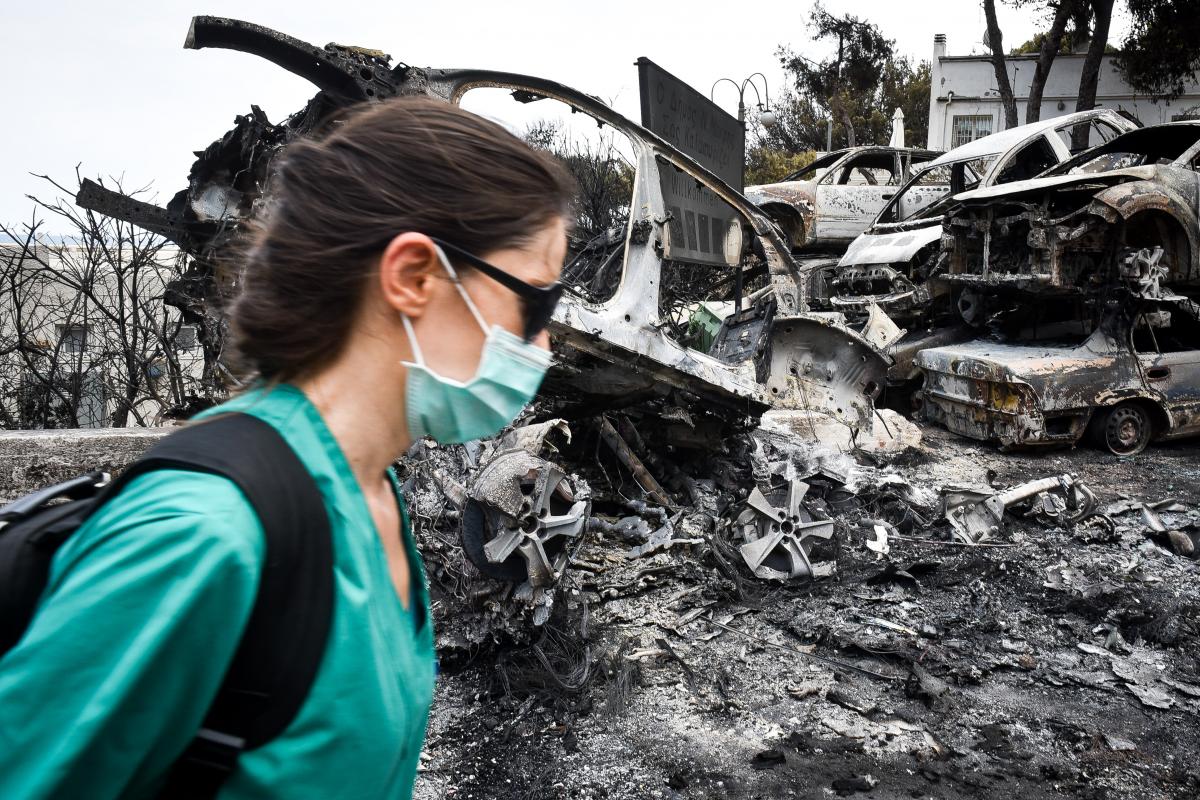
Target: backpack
x,y
284,639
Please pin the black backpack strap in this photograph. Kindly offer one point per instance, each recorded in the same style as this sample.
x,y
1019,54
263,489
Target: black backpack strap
x,y
283,643
31,531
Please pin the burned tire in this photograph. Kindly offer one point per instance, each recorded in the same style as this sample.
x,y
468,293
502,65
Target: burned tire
x,y
1123,430
547,514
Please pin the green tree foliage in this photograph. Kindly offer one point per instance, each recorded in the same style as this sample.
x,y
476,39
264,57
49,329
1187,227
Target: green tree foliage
x,y
1069,44
1076,33
803,110
1160,54
859,86
765,164
1034,45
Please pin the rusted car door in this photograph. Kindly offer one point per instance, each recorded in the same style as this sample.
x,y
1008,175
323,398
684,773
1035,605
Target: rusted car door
x,y
851,196
1169,354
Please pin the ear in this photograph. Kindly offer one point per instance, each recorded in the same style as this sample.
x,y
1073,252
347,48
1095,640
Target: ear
x,y
406,273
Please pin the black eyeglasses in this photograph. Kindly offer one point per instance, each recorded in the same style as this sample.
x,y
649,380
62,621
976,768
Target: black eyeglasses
x,y
537,302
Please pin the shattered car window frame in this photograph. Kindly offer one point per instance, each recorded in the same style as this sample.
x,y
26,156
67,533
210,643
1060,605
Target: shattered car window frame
x,y
1067,167
969,164
824,162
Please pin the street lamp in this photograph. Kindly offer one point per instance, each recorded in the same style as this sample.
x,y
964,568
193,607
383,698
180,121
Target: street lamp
x,y
765,115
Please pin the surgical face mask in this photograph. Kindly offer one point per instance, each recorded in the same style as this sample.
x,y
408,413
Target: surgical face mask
x,y
509,374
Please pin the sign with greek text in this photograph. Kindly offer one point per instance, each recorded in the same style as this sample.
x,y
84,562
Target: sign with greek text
x,y
699,220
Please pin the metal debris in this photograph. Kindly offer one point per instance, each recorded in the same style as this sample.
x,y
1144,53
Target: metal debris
x,y
642,475
977,515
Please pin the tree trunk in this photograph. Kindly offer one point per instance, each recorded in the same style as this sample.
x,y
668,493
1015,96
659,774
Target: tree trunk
x,y
836,106
848,123
996,45
1090,78
1050,45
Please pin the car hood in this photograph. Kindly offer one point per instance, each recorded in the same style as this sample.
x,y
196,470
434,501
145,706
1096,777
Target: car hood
x,y
881,246
795,193
1057,182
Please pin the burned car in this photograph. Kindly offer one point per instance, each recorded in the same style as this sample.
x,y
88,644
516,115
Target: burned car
x,y
833,199
891,263
622,335
1132,378
1067,231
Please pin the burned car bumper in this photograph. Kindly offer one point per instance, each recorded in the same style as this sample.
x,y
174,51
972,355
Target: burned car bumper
x,y
1000,411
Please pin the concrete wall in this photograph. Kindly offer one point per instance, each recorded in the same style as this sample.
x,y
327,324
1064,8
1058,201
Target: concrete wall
x,y
33,459
966,85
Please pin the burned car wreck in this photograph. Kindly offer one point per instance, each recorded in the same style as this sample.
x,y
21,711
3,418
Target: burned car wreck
x,y
893,263
833,199
1067,231
1086,278
1134,378
622,338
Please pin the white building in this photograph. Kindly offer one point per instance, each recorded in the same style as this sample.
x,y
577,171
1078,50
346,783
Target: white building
x,y
964,102
80,325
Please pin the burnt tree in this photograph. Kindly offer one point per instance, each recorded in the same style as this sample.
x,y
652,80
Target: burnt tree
x,y
87,339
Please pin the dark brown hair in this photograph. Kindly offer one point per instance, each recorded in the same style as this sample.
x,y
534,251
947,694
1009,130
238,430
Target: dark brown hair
x,y
334,203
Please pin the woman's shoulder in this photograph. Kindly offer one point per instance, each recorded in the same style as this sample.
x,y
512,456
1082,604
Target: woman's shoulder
x,y
171,517
168,516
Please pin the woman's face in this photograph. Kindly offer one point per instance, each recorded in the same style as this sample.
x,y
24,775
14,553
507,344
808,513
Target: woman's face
x,y
450,339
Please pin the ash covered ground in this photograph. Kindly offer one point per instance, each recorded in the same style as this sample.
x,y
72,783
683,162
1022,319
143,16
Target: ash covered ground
x,y
1049,661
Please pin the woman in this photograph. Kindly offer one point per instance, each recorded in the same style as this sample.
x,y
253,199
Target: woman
x,y
398,287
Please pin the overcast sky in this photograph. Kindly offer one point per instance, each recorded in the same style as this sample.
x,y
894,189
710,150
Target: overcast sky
x,y
108,85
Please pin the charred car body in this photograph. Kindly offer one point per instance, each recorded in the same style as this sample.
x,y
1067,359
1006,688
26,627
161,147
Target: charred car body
x,y
1135,378
620,338
891,264
831,201
1104,245
1067,231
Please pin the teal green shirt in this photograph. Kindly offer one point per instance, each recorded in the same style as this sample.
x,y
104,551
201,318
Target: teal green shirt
x,y
142,614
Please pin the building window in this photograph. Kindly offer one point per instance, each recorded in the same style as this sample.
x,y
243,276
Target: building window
x,y
969,127
186,338
73,338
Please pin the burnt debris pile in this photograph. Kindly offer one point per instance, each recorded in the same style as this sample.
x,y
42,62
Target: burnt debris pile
x,y
1054,651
